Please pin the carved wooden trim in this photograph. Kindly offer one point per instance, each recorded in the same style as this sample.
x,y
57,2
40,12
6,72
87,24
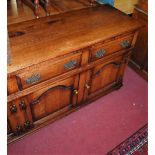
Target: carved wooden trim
x,y
36,101
51,89
117,65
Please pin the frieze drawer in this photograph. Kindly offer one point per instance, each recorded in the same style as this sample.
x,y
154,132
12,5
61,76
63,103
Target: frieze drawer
x,y
101,50
47,70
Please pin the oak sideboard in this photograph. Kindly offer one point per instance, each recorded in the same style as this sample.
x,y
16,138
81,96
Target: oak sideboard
x,y
63,62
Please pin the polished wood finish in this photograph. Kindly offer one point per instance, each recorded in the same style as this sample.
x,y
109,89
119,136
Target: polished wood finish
x,y
139,58
27,39
20,118
44,72
43,103
111,47
54,71
102,76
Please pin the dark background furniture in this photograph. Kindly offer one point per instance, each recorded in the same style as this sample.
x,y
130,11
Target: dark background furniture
x,y
18,11
45,4
139,58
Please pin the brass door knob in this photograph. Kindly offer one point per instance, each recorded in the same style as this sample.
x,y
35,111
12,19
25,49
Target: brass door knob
x,y
87,86
75,92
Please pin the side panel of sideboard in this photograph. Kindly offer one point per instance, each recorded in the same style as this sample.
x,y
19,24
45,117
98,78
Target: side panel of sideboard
x,y
139,58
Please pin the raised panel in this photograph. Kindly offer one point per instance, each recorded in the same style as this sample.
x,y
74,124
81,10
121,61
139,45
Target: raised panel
x,y
51,101
103,76
54,98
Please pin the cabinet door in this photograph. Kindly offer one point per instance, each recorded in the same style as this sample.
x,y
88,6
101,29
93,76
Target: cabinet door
x,y
19,116
54,98
104,76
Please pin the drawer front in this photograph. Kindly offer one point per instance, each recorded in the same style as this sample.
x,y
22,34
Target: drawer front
x,y
103,49
48,70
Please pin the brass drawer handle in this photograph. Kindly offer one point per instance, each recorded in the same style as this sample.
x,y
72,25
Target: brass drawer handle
x,y
125,44
71,64
100,53
33,79
75,92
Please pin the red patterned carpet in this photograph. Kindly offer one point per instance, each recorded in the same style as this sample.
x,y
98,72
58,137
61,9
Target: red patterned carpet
x,y
137,144
95,129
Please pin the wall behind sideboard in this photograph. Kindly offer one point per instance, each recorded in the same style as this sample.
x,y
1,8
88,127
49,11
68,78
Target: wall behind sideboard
x,y
126,6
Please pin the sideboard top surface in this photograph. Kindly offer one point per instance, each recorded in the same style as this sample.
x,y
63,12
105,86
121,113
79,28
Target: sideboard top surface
x,y
38,40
